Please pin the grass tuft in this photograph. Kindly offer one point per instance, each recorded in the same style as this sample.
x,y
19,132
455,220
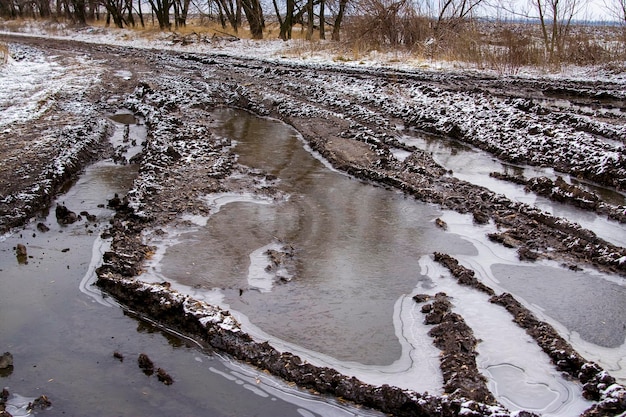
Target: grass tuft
x,y
4,53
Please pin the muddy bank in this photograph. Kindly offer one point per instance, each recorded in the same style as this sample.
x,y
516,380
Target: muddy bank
x,y
47,174
457,342
561,191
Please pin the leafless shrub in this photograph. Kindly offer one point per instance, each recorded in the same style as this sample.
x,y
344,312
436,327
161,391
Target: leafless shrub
x,y
583,50
509,48
380,23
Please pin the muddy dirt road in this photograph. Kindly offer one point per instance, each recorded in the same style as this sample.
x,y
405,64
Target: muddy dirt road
x,y
356,120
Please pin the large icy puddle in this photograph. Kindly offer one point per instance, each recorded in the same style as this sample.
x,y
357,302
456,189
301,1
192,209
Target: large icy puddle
x,y
361,252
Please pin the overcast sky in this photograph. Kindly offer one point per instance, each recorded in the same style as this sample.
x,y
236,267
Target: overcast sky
x,y
589,9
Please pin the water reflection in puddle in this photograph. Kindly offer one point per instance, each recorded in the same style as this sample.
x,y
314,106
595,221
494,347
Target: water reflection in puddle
x,y
63,340
357,248
360,252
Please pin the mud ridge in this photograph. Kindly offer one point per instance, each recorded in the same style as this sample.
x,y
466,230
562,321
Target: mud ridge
x,y
82,146
559,190
598,384
458,345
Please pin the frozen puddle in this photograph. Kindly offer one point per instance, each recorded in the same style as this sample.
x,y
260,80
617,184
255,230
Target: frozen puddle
x,y
128,137
474,166
361,252
520,375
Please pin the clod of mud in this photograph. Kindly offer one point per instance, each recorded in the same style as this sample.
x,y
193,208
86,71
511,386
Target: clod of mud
x,y
164,377
119,356
65,215
6,360
4,397
21,253
440,223
90,217
525,254
41,403
145,364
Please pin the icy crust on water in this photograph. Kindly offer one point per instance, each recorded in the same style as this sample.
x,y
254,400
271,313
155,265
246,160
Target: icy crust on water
x,y
416,369
490,254
520,375
474,166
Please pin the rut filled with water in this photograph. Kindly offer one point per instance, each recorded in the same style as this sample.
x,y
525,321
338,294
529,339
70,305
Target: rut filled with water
x,y
350,255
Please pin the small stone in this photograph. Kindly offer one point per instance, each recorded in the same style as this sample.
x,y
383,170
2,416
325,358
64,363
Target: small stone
x,y
421,298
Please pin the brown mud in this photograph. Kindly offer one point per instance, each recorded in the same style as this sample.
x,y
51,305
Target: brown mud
x,y
183,160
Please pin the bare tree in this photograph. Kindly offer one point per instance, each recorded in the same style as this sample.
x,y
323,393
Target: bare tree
x,y
322,19
381,21
181,9
286,23
617,9
336,36
229,10
452,13
254,15
115,11
161,8
555,18
310,20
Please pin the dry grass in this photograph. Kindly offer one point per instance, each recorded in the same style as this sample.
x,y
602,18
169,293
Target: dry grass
x,y
4,53
200,26
504,47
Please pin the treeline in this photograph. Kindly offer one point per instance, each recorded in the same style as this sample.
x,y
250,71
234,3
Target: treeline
x,y
439,29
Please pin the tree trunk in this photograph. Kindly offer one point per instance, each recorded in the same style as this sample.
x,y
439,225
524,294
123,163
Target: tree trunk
x,y
337,26
254,15
140,14
285,27
161,9
310,23
322,20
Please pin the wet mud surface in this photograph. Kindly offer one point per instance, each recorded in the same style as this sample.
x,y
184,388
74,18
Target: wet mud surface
x,y
350,119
